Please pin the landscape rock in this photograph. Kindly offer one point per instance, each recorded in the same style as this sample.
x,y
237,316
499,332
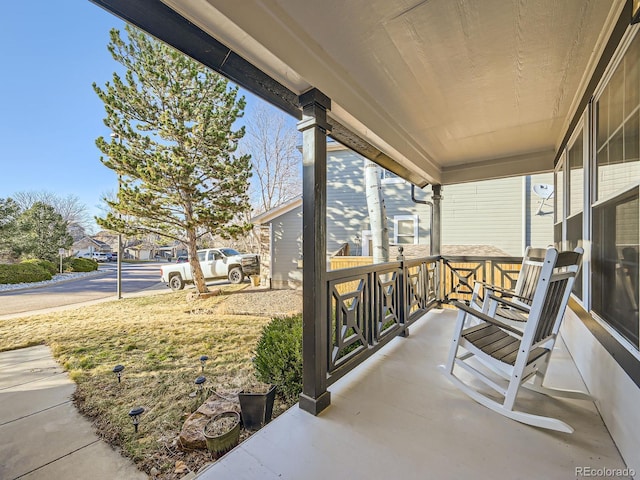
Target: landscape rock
x,y
191,436
181,467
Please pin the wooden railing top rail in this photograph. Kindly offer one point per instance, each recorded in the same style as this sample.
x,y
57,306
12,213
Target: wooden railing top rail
x,y
479,258
362,270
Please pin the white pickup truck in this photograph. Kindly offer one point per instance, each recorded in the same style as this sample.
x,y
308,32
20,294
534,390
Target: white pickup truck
x,y
215,263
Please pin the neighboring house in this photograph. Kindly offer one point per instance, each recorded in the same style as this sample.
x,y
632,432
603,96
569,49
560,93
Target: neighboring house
x,y
139,250
109,238
143,249
508,206
171,251
280,231
506,213
87,245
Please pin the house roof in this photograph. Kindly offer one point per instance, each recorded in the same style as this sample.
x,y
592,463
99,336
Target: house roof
x,y
435,90
270,215
98,243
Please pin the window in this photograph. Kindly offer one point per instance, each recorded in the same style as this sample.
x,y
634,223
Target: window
x,y
616,214
575,193
559,192
405,229
618,126
616,239
387,177
576,175
574,239
558,204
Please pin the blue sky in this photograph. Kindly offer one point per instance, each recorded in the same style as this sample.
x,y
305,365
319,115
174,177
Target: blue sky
x,y
52,51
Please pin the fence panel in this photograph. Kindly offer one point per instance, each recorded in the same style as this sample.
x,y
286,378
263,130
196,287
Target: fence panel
x,y
459,275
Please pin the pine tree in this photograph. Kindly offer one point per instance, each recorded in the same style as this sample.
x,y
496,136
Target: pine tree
x,y
9,212
42,232
172,146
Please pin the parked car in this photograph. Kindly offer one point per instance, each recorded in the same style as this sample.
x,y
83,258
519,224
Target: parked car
x,y
97,256
182,259
114,257
215,263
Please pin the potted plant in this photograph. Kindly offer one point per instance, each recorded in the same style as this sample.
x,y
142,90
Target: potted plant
x,y
256,405
222,433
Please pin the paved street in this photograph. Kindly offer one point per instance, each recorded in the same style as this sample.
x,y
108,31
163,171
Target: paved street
x,y
135,279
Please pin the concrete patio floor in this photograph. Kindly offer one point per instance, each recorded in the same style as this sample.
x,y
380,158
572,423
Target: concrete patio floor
x,y
397,416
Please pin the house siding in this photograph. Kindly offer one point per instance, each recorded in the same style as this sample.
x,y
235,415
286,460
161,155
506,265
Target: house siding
x,y
472,213
540,225
286,250
347,214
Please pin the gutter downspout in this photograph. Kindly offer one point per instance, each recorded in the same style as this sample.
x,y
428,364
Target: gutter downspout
x,y
434,221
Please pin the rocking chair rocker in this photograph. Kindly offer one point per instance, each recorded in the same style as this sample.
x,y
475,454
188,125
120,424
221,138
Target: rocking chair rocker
x,y
515,355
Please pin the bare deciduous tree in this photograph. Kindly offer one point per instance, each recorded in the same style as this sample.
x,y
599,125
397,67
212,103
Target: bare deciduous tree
x,y
69,207
276,160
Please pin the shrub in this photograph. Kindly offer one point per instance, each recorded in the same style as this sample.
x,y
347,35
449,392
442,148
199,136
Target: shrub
x,y
50,267
23,273
278,357
75,264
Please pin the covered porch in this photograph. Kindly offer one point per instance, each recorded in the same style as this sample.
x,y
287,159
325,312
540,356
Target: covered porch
x,y
397,416
440,93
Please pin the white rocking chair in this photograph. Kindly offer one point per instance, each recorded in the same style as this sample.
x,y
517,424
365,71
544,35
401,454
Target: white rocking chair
x,y
517,356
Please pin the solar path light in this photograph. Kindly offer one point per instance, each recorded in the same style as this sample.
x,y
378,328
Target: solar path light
x,y
203,361
118,371
135,413
200,382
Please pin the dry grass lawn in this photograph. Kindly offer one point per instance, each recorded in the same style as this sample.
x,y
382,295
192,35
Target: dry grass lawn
x,y
159,339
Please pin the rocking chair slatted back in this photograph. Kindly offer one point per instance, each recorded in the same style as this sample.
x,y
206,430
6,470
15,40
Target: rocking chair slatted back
x,y
529,274
552,294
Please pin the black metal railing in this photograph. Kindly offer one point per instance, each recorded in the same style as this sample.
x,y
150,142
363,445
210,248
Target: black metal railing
x,y
370,305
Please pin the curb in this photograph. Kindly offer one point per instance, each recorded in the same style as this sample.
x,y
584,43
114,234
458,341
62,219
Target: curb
x,y
48,283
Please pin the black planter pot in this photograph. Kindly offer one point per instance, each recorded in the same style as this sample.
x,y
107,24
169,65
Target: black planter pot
x,y
256,408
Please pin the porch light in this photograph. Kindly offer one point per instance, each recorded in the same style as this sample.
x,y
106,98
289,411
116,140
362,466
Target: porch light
x,y
203,361
118,371
199,382
135,413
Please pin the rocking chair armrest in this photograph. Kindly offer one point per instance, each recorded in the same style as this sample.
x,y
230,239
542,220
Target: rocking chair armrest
x,y
517,306
502,291
486,318
487,285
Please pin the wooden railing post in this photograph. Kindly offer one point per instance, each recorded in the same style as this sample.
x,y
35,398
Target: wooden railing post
x,y
404,298
314,127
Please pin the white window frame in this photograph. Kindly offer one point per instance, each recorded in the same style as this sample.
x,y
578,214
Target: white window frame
x,y
399,218
389,178
365,238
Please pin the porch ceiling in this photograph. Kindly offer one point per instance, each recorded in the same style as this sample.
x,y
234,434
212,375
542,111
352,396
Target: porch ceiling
x,y
446,91
453,90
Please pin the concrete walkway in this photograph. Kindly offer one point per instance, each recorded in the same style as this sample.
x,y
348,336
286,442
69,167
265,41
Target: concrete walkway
x,y
42,436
